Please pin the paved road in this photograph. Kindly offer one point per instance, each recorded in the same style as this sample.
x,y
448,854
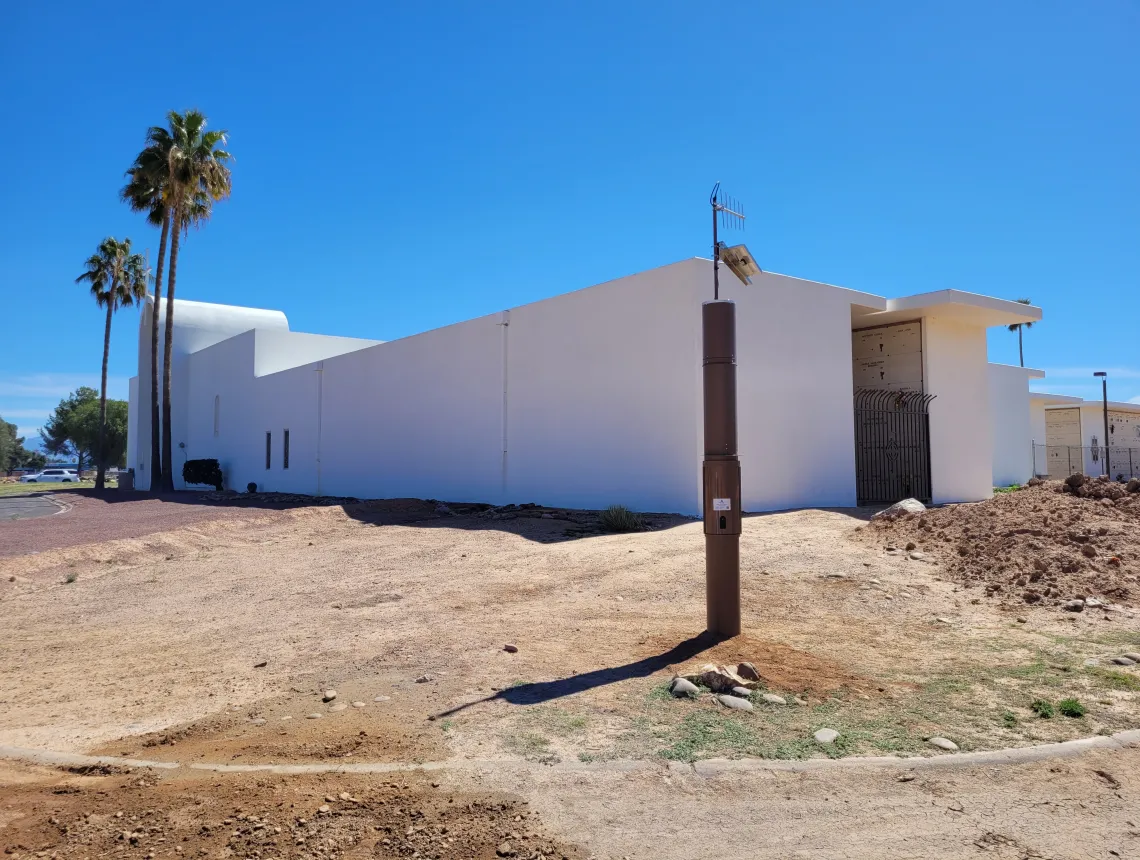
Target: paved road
x,y
26,507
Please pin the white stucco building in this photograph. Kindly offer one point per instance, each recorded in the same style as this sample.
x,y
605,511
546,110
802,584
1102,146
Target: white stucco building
x,y
1068,436
593,397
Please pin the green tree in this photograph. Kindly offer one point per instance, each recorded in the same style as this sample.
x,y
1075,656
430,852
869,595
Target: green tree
x,y
198,174
13,454
1017,328
65,436
117,277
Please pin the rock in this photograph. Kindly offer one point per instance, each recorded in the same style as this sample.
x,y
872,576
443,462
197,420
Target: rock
x,y
1073,606
505,850
1123,661
734,702
423,679
917,556
548,516
339,706
359,705
511,649
313,716
329,695
942,620
1074,481
442,509
773,699
1094,603
943,744
1133,656
826,736
681,687
382,699
1022,620
911,545
719,679
261,665
744,692
898,509
1133,486
747,671
1034,482
324,809
259,721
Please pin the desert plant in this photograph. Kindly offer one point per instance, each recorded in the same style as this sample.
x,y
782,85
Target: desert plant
x,y
203,472
71,577
1071,708
618,518
117,277
197,174
1042,708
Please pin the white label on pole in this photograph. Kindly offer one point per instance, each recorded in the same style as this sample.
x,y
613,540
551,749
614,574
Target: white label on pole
x,y
722,504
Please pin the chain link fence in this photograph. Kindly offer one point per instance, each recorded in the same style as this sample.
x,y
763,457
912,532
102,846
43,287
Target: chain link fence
x,y
1060,461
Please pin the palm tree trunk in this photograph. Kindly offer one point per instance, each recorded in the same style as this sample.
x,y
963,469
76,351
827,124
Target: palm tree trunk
x,y
1020,348
167,353
155,443
100,452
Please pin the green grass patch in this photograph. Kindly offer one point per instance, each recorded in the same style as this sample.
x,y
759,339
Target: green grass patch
x,y
1115,680
1042,708
1012,488
618,518
16,489
1071,708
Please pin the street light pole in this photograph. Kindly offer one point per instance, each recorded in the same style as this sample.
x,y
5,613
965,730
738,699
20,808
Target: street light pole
x,y
1104,399
721,465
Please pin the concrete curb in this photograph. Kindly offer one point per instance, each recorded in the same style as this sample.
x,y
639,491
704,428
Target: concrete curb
x,y
707,768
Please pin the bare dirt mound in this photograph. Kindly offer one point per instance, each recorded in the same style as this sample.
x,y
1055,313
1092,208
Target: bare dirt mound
x,y
1043,545
133,815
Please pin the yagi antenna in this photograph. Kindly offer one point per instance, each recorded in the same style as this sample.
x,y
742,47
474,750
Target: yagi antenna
x,y
728,212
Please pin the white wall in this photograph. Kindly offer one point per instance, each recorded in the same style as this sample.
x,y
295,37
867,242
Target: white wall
x,y
132,418
794,391
1011,425
961,445
587,399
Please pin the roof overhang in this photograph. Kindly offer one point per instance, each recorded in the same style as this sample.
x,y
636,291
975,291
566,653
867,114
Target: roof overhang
x,y
1052,400
968,308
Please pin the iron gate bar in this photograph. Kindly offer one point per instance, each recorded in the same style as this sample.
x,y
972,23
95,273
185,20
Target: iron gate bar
x,y
892,445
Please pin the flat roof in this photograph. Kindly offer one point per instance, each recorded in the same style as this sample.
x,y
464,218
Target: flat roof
x,y
958,305
1058,402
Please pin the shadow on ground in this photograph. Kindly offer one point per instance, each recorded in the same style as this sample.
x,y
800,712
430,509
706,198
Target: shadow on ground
x,y
532,521
546,691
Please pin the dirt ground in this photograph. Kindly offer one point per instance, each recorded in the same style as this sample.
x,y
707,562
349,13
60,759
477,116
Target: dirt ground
x,y
215,642
1034,545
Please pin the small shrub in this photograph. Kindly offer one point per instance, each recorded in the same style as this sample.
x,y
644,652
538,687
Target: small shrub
x,y
1010,719
203,472
618,518
1042,708
71,577
1071,708
251,487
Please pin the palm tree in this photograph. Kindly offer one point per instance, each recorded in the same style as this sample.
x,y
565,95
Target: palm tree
x,y
117,278
1017,328
145,192
197,175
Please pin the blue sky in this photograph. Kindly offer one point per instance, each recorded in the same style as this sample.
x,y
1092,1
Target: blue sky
x,y
404,166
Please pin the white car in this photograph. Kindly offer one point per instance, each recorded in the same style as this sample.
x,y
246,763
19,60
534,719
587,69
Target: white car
x,y
51,476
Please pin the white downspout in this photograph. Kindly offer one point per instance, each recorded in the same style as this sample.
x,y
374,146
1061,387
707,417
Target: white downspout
x,y
320,409
505,322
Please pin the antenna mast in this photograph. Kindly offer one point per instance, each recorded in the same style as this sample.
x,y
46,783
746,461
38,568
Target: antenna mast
x,y
731,215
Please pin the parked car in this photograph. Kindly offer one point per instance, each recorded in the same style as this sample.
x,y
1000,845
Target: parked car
x,y
51,476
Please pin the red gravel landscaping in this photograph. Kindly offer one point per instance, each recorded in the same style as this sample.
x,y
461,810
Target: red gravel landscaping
x,y
113,515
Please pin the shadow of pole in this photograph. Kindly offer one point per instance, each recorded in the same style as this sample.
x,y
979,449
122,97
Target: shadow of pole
x,y
546,691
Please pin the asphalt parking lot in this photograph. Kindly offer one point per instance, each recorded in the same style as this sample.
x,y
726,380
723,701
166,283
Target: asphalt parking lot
x,y
27,507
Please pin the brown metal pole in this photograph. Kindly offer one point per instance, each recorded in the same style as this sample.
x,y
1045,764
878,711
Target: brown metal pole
x,y
721,501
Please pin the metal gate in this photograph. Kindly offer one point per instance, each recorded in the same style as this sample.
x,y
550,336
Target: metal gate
x,y
892,446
